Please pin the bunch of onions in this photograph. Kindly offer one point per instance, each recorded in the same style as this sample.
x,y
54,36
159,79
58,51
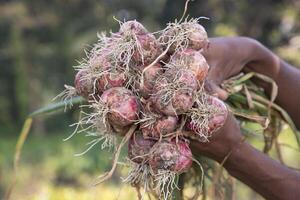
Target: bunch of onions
x,y
149,91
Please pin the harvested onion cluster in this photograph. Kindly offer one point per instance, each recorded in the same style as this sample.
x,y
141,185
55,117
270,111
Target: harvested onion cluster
x,y
148,88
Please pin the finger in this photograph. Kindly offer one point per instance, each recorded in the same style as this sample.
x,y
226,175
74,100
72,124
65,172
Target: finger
x,y
214,90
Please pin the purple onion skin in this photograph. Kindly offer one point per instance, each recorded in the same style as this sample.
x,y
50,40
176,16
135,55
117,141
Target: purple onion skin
x,y
110,80
182,100
139,148
216,121
149,77
184,161
150,50
198,38
83,86
133,26
123,104
161,127
194,61
171,156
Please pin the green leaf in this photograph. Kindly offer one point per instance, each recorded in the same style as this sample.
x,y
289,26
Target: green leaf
x,y
57,106
284,114
26,129
267,79
20,142
244,78
237,97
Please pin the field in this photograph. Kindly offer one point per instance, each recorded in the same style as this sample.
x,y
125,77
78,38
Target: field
x,y
49,169
41,41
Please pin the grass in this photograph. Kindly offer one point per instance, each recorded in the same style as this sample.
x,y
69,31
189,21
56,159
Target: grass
x,y
48,169
48,163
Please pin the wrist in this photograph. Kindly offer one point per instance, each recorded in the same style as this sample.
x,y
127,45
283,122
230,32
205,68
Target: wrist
x,y
262,60
236,155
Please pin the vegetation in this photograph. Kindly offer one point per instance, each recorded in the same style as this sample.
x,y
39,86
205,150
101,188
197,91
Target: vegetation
x,y
40,41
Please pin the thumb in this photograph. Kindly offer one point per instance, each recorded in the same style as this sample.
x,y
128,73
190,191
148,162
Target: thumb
x,y
215,90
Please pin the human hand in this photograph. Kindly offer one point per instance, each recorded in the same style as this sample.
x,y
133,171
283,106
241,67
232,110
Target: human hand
x,y
228,56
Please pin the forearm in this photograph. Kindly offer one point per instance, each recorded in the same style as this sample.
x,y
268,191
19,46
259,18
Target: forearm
x,y
227,57
286,77
288,82
264,175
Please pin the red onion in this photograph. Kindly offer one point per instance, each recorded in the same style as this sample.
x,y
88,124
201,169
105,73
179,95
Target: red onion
x,y
147,50
133,26
208,118
149,77
111,79
123,105
197,36
174,93
192,60
83,84
160,126
139,148
186,35
171,156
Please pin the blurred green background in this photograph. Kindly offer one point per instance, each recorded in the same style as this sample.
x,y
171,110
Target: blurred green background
x,y
40,41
